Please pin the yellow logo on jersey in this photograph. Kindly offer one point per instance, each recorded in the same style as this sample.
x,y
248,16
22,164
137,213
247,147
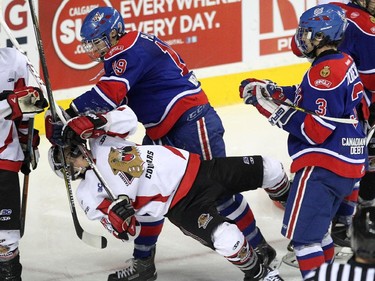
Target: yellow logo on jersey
x,y
126,160
204,220
325,71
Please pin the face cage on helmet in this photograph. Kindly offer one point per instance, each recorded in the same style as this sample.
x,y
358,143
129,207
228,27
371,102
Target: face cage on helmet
x,y
304,41
72,171
97,48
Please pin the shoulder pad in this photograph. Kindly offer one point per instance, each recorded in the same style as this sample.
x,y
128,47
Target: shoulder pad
x,y
363,20
330,73
125,43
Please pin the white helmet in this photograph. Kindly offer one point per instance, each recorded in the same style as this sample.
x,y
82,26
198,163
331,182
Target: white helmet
x,y
56,163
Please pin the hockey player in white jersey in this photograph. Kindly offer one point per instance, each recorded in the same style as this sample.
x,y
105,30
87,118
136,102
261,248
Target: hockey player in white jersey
x,y
17,104
151,182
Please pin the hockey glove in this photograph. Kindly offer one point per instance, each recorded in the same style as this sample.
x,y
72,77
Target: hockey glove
x,y
54,128
78,129
32,156
26,101
121,216
268,99
247,87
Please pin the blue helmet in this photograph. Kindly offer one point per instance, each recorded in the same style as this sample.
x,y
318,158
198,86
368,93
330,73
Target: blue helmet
x,y
319,26
96,31
363,233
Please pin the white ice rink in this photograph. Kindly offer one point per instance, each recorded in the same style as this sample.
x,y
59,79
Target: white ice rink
x,y
51,251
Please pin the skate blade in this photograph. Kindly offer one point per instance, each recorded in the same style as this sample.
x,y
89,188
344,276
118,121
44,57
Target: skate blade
x,y
290,259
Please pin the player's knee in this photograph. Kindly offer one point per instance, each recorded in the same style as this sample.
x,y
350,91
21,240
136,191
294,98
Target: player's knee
x,y
275,180
227,239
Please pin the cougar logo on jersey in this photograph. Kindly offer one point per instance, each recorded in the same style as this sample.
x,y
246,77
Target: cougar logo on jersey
x,y
126,160
204,220
325,71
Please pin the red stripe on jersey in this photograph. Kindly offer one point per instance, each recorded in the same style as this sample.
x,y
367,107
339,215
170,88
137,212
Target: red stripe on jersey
x,y
20,83
203,139
114,90
368,81
298,200
141,201
10,165
153,230
333,164
175,151
188,179
179,108
310,263
246,220
315,131
353,196
8,139
329,253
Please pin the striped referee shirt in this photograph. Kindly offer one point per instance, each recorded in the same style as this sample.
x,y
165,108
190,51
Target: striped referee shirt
x,y
352,271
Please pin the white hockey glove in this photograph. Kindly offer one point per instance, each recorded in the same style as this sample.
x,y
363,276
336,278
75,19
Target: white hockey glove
x,y
26,101
247,87
268,99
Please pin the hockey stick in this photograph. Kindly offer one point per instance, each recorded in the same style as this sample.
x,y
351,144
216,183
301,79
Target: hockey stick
x,y
90,239
334,119
370,134
25,189
280,102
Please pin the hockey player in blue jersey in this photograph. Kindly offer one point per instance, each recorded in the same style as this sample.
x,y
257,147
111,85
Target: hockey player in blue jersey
x,y
358,42
144,72
328,157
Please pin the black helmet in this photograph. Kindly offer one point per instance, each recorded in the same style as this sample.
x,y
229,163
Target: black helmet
x,y
363,233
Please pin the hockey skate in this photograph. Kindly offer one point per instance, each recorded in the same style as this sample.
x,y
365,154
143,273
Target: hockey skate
x,y
11,270
136,270
340,234
265,252
268,274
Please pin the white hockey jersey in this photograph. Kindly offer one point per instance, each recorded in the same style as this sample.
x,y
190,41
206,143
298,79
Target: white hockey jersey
x,y
13,74
154,177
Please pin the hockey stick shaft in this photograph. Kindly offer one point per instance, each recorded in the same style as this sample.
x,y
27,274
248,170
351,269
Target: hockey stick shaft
x,y
334,119
93,240
25,188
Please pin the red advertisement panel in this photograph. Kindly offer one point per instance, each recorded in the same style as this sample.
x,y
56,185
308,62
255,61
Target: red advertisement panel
x,y
205,33
278,17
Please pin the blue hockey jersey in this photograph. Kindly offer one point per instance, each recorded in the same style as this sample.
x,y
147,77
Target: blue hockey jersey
x,y
148,75
331,87
359,41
